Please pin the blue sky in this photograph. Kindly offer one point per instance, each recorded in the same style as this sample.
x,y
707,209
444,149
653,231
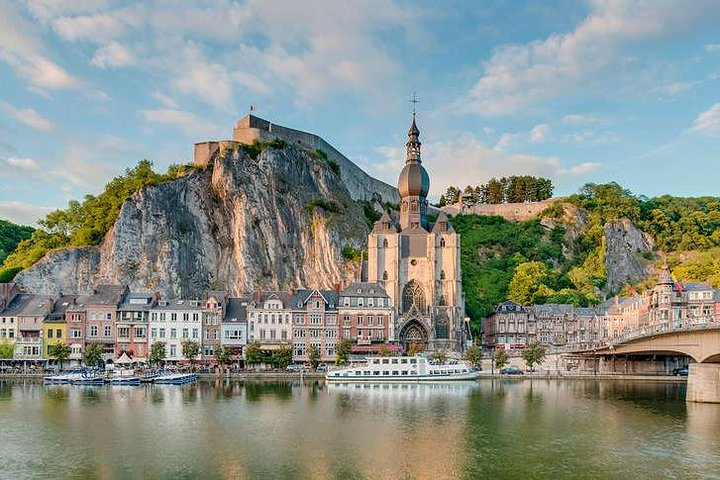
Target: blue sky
x,y
576,91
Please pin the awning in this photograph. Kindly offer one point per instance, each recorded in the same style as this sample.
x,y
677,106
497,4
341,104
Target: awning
x,y
124,359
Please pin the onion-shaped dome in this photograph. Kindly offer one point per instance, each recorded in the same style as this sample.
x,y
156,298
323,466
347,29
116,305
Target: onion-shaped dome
x,y
414,180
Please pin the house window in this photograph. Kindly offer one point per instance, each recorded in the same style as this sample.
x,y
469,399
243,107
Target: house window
x,y
108,331
173,333
162,333
153,333
195,333
185,333
76,333
49,333
93,330
173,350
385,275
123,332
139,332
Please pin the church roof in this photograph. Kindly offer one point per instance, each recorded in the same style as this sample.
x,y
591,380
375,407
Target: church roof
x,y
438,227
385,219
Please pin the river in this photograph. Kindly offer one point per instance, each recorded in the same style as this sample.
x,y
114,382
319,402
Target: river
x,y
287,429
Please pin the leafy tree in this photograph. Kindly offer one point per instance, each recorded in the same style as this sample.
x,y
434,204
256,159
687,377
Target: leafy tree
x,y
533,354
158,354
501,358
473,355
282,357
342,352
7,350
439,357
59,352
10,236
452,195
384,351
93,355
223,356
253,353
415,348
314,356
528,279
191,350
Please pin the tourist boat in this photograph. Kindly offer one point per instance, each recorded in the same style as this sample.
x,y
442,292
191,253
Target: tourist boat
x,y
404,369
89,377
62,379
124,377
175,379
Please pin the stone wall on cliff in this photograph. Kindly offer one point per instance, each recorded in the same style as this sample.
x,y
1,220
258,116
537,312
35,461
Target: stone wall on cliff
x,y
237,225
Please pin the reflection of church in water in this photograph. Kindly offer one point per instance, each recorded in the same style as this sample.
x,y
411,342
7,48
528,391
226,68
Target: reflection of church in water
x,y
419,263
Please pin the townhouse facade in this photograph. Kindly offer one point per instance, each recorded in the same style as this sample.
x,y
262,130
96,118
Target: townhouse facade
x,y
366,317
315,323
234,326
174,322
269,317
101,315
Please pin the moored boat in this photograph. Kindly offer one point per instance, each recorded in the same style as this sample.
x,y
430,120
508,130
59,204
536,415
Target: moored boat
x,y
404,369
175,379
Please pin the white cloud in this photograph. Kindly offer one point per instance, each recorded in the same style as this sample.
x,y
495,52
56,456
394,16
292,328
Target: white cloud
x,y
518,76
709,121
188,122
504,142
22,163
29,117
195,75
23,213
579,119
712,47
467,160
165,100
674,88
21,48
539,133
113,54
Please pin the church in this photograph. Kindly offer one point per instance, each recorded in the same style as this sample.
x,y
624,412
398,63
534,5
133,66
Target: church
x,y
418,263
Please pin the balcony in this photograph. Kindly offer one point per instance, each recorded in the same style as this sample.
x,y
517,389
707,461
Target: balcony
x,y
31,341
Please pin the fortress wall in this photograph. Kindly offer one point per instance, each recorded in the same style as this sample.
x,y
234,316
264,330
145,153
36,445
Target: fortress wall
x,y
204,151
509,211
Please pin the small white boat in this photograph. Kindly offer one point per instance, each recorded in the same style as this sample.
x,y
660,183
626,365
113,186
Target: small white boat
x,y
175,379
124,377
404,369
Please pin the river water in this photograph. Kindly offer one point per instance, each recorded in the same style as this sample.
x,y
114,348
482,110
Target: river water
x,y
255,429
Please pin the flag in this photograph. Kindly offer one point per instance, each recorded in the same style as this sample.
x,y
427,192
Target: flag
x,y
678,285
252,108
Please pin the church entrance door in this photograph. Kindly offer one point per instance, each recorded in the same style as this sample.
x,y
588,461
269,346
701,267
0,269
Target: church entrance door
x,y
414,337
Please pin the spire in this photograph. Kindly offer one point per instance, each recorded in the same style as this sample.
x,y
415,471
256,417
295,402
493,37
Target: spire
x,y
413,144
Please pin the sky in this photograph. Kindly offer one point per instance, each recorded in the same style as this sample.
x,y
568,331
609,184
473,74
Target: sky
x,y
576,91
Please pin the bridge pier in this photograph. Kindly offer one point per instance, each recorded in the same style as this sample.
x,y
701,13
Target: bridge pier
x,y
703,383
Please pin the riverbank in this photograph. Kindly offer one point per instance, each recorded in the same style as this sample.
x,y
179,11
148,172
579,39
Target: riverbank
x,y
488,376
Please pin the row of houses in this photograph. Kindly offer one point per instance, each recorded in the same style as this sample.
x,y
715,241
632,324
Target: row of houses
x,y
120,320
670,304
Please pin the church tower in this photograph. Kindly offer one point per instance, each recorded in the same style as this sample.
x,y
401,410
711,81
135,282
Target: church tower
x,y
413,184
418,263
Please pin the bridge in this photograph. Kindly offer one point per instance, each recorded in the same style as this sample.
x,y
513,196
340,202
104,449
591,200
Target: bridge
x,y
701,342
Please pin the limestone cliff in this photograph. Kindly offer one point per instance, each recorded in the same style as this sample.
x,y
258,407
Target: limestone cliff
x,y
279,220
625,245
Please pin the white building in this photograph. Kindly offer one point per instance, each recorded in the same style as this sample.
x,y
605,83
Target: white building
x,y
173,322
269,319
234,325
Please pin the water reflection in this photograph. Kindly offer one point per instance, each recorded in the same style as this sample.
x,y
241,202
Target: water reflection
x,y
294,429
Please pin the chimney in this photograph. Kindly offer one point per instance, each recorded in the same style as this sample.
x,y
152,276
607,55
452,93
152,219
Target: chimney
x,y
337,289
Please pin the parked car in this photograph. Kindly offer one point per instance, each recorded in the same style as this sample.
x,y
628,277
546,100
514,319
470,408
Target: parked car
x,y
680,371
511,371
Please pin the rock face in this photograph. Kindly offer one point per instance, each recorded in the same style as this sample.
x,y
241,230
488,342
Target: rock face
x,y
280,220
625,245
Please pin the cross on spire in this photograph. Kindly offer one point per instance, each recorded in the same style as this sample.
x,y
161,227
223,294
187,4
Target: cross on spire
x,y
414,101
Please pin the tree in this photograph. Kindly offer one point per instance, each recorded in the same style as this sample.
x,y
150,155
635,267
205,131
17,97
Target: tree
x,y
473,355
158,354
439,357
314,356
223,356
93,355
384,351
342,352
529,277
414,348
190,350
501,358
59,352
253,353
282,357
533,354
7,350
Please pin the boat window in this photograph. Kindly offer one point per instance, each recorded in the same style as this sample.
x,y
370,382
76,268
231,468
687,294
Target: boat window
x,y
385,361
404,372
376,372
413,360
403,360
385,372
394,360
376,361
358,372
395,372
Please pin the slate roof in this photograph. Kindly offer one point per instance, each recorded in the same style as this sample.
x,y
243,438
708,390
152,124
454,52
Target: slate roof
x,y
261,296
29,305
61,305
364,289
236,310
510,306
179,304
696,287
106,295
301,295
131,302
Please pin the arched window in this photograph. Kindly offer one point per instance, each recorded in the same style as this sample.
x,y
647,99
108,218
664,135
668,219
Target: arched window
x,y
413,294
385,243
441,327
385,275
442,274
442,242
